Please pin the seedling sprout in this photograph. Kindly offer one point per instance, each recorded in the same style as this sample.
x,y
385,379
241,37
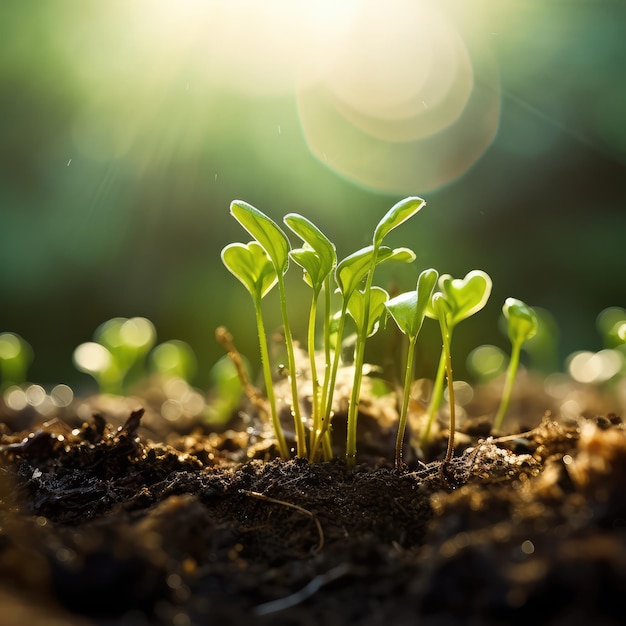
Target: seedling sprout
x,y
408,311
117,355
15,357
275,243
522,326
251,264
442,308
174,359
318,259
464,297
397,215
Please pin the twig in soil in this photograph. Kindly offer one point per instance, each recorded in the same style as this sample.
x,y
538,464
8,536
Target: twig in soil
x,y
262,496
309,590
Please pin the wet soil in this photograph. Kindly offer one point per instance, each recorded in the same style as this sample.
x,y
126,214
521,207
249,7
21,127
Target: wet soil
x,y
110,516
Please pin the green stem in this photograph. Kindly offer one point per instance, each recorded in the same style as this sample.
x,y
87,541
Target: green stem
x,y
291,360
315,385
508,385
435,401
328,390
445,334
269,385
353,407
408,378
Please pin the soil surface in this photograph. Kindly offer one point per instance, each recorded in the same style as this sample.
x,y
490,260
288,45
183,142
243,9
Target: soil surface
x,y
111,515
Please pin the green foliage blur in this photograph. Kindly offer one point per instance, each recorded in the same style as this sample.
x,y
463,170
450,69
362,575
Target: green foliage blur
x,y
127,129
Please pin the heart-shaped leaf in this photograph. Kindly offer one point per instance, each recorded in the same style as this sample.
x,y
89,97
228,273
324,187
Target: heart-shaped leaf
x,y
397,214
464,296
409,309
265,231
251,264
522,320
310,262
356,308
354,268
316,241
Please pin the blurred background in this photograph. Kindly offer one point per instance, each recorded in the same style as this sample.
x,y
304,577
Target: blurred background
x,y
128,127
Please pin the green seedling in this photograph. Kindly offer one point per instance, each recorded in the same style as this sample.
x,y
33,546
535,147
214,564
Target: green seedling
x,y
128,341
463,298
362,268
318,259
443,310
408,311
252,266
226,389
117,355
15,357
174,359
611,323
275,243
522,326
94,359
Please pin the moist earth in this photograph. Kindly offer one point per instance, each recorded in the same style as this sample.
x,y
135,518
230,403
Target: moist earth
x,y
108,519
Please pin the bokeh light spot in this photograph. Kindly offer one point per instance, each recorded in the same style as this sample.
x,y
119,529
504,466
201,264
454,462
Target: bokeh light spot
x,y
486,362
10,346
92,357
595,367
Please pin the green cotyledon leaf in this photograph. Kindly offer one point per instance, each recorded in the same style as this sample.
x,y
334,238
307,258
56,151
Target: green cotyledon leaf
x,y
265,231
397,214
464,296
409,309
251,264
521,319
315,241
354,268
356,308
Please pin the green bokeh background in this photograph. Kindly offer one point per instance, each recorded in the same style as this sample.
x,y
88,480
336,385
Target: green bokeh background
x,y
96,228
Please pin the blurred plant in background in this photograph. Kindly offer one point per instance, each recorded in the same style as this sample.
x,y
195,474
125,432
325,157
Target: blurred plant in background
x,y
129,127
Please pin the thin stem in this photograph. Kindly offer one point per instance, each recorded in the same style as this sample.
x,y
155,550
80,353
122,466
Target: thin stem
x,y
315,385
327,446
269,385
291,360
508,384
435,401
353,407
408,378
326,390
445,334
328,400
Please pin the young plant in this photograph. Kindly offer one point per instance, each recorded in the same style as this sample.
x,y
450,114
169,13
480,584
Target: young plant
x,y
349,275
15,357
463,298
408,311
442,308
174,359
317,258
128,340
251,264
94,359
276,245
522,326
117,354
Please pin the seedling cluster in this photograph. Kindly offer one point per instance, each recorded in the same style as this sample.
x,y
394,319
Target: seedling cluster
x,y
118,356
261,265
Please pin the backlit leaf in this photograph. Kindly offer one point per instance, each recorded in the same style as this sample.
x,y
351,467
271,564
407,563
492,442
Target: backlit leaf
x,y
265,231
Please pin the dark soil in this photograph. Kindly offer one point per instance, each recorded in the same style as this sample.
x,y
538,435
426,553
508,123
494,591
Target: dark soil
x,y
115,518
